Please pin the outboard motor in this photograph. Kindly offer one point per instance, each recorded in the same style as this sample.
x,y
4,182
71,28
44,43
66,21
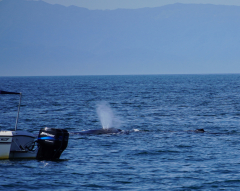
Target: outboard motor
x,y
51,143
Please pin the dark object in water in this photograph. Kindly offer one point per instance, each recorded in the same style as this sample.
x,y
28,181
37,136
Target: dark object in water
x,y
199,130
99,131
51,142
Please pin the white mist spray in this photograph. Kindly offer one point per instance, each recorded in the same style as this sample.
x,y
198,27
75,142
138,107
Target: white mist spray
x,y
106,116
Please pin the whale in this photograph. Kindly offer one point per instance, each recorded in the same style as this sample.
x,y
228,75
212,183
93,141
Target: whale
x,y
117,131
99,131
199,131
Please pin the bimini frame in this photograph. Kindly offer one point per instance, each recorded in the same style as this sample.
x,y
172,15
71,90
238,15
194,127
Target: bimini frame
x,y
5,92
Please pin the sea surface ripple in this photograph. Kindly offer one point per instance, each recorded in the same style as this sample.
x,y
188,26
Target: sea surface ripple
x,y
161,112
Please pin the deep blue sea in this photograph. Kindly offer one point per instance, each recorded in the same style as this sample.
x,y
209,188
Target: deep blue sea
x,y
161,112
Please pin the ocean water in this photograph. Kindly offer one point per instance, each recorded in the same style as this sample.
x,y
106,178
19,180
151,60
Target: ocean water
x,y
160,112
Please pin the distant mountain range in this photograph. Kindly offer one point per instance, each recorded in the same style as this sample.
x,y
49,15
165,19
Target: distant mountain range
x,y
37,38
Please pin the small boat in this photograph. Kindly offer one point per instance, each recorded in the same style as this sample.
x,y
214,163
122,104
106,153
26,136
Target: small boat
x,y
48,145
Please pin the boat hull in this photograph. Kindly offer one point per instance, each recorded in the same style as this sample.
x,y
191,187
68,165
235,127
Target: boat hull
x,y
17,145
5,144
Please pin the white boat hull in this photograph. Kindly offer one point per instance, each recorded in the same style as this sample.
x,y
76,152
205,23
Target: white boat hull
x,y
16,145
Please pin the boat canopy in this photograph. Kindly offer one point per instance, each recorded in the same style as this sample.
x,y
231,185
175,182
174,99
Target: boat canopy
x,y
5,92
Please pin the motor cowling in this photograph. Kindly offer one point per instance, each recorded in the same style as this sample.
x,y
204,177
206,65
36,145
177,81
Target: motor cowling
x,y
51,143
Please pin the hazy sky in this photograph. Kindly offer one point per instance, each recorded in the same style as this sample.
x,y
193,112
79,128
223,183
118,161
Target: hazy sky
x,y
133,4
104,58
